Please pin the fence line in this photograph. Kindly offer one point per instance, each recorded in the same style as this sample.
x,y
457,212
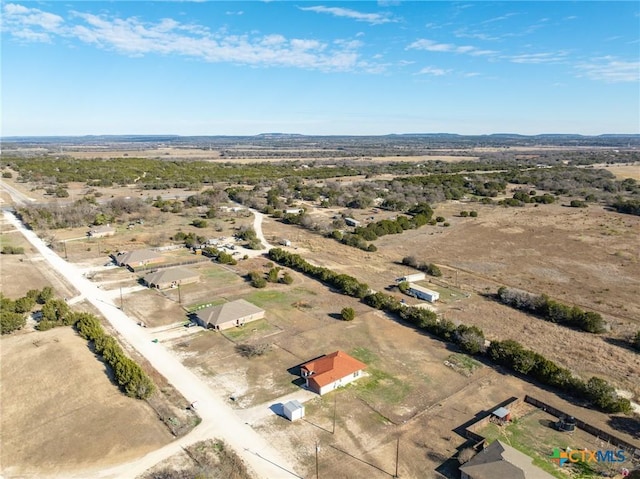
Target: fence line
x,y
599,433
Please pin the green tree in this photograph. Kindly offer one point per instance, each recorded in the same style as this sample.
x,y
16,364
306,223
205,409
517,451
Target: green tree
x,y
45,295
348,314
11,321
287,278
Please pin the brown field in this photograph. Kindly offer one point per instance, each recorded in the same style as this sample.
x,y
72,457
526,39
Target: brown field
x,y
60,411
588,257
623,171
584,257
408,392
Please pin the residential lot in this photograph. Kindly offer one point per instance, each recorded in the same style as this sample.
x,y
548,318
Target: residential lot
x,y
62,414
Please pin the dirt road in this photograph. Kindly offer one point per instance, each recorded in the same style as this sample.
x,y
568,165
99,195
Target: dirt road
x,y
218,419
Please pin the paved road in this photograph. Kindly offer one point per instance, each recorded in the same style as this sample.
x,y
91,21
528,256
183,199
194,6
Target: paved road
x,y
18,197
219,420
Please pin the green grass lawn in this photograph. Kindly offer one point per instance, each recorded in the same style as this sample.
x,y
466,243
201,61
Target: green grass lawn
x,y
221,275
537,440
378,385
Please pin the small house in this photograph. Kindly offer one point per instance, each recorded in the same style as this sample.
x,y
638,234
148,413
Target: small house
x,y
331,371
421,292
499,460
229,315
137,258
101,231
170,278
293,410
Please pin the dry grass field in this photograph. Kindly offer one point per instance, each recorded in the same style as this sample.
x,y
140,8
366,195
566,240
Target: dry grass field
x,y
60,411
587,257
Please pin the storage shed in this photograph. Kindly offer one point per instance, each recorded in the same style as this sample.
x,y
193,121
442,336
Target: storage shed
x,y
410,278
293,410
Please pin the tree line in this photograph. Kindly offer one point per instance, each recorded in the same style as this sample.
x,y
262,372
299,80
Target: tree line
x,y
128,374
553,311
598,392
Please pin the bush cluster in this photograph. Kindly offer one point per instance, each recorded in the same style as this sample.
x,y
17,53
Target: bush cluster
x,y
13,313
597,391
469,338
12,250
429,268
221,257
133,381
630,207
551,310
257,279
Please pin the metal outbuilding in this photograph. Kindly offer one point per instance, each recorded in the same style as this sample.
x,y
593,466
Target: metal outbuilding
x,y
293,410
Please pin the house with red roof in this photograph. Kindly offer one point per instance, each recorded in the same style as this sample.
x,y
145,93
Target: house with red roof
x,y
331,371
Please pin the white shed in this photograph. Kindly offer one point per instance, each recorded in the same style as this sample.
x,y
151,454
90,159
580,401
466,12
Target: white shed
x,y
293,410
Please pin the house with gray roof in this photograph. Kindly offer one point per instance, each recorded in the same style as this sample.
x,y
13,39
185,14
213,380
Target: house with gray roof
x,y
137,258
228,315
499,460
170,278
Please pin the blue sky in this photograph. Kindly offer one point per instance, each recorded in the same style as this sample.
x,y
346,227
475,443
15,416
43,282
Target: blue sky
x,y
325,67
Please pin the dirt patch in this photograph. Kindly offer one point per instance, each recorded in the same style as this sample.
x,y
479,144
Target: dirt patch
x,y
60,411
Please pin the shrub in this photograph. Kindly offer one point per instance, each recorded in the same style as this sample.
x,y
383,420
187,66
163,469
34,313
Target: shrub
x,y
11,321
473,213
635,342
253,350
199,223
464,214
348,314
440,219
287,278
7,174
12,250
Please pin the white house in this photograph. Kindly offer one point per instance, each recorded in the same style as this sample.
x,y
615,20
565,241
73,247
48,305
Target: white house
x,y
331,371
293,410
423,293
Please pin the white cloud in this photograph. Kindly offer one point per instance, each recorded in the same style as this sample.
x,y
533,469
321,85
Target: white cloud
x,y
372,18
30,24
134,37
610,70
434,71
432,46
542,57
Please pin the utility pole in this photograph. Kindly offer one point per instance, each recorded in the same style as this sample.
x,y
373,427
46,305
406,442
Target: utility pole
x,y
64,243
179,295
397,455
335,399
317,449
121,300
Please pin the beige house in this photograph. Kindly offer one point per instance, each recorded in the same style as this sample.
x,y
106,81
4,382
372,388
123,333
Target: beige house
x,y
331,371
500,460
229,315
101,231
141,257
170,278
